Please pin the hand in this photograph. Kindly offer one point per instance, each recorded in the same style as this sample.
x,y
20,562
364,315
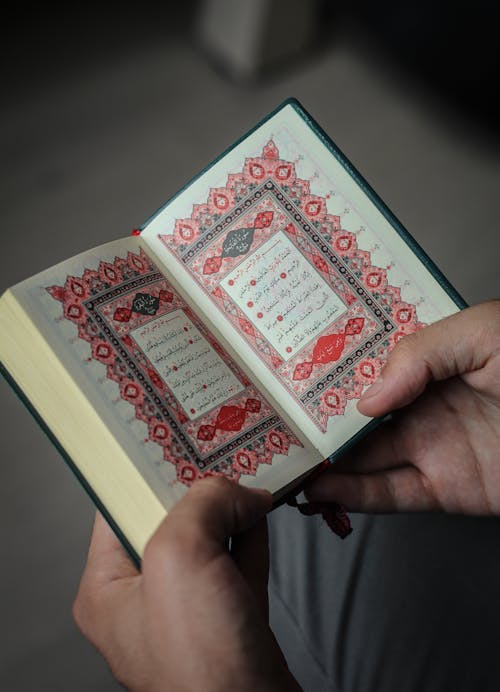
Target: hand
x,y
441,450
197,616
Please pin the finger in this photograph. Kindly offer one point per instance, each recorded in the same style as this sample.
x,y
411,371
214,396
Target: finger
x,y
250,552
383,449
455,345
403,489
107,559
198,527
106,584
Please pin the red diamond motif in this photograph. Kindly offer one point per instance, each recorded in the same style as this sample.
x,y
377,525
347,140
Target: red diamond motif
x,y
206,432
252,405
263,219
122,314
247,327
166,296
354,326
212,265
302,371
320,264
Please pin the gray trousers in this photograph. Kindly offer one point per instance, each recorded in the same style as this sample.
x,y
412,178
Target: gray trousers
x,y
406,603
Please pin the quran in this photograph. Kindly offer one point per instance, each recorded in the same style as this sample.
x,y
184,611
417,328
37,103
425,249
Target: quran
x,y
231,334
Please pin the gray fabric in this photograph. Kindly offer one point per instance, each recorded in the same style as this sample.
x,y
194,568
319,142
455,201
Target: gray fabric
x,y
406,602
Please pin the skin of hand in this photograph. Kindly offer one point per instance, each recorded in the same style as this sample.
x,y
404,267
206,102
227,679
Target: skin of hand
x,y
196,616
440,450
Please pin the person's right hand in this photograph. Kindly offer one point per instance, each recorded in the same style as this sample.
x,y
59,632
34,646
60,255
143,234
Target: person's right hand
x,y
441,450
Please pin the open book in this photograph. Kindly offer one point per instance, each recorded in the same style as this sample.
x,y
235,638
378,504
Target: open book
x,y
232,334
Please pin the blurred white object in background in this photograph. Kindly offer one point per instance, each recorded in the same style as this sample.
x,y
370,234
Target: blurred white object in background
x,y
243,38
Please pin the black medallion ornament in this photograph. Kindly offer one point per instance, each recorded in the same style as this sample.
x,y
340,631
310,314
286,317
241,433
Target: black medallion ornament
x,y
145,304
237,242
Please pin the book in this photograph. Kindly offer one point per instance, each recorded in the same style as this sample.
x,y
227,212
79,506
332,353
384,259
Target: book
x,y
231,334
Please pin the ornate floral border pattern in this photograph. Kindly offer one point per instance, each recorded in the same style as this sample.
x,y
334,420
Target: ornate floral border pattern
x,y
265,198
107,305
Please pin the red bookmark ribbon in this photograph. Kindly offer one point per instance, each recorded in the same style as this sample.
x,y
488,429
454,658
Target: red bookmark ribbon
x,y
333,513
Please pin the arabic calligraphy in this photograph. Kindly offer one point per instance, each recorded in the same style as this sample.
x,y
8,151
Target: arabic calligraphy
x,y
283,295
194,372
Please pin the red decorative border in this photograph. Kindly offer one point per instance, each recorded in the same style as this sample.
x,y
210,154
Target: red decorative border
x,y
106,305
220,233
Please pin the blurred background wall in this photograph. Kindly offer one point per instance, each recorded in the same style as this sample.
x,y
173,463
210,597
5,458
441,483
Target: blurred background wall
x,y
109,110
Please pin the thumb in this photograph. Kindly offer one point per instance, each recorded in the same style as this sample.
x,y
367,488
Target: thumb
x,y
455,345
229,507
213,510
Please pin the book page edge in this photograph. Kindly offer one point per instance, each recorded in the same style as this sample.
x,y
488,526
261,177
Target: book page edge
x,y
101,460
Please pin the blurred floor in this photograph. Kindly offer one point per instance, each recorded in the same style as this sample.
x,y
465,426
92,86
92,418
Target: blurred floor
x,y
94,137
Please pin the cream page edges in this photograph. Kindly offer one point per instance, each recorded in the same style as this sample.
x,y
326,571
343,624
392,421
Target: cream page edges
x,y
316,155
81,431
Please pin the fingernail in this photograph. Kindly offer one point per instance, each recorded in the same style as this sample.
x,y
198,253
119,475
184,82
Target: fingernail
x,y
375,389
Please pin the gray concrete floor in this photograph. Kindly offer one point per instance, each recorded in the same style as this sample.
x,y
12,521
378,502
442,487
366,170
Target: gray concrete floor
x,y
90,151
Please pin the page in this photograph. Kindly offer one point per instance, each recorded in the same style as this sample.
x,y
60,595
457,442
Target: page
x,y
165,387
298,271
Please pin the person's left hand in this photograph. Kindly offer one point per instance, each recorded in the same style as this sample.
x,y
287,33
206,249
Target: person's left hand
x,y
196,618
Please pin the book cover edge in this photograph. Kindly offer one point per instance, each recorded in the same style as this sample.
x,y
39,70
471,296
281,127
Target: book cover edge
x,y
71,464
379,203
